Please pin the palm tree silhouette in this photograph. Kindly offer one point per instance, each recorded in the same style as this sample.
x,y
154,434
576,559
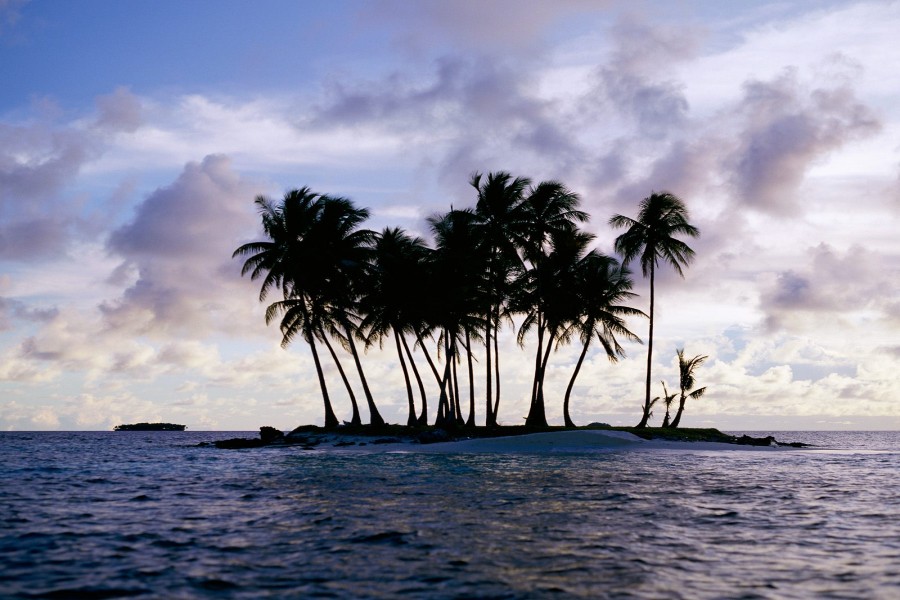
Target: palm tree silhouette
x,y
390,296
314,252
500,225
552,210
667,399
287,225
600,284
341,255
457,307
651,239
686,368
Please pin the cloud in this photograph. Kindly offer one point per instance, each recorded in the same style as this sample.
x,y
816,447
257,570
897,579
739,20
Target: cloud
x,y
636,81
785,127
119,111
10,12
179,245
16,310
499,25
464,116
855,287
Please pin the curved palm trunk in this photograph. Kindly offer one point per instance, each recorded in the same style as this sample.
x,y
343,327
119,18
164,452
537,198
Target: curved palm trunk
x,y
457,409
374,415
536,414
489,417
540,405
411,417
470,422
423,416
537,361
355,420
331,420
646,416
496,411
666,419
566,417
677,419
437,377
445,403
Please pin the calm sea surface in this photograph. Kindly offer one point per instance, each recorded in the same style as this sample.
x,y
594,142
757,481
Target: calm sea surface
x,y
150,515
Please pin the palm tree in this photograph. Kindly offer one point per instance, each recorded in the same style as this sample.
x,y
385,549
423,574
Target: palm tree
x,y
340,257
314,254
287,226
600,285
500,225
651,237
458,295
551,308
299,317
686,381
552,210
667,400
390,295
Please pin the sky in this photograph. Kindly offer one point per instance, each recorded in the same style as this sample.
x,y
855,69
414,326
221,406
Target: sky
x,y
134,137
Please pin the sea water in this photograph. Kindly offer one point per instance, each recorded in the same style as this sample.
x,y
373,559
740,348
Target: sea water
x,y
151,515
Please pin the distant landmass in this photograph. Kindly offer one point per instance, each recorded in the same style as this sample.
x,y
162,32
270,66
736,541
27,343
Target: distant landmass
x,y
151,427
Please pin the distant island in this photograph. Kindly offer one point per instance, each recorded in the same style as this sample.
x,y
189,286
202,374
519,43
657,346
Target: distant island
x,y
151,427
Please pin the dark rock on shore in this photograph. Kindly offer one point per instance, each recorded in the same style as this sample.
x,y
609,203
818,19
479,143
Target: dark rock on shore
x,y
769,440
270,434
434,436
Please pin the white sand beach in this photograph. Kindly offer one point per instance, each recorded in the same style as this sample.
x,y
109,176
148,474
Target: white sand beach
x,y
537,443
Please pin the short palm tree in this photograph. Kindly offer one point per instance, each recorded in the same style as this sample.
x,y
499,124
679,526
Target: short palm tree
x,y
652,238
667,399
686,368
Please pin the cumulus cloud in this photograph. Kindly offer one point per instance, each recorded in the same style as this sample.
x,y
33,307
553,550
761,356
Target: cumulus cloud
x,y
179,244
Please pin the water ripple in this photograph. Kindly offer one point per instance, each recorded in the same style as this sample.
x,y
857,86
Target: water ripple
x,y
151,516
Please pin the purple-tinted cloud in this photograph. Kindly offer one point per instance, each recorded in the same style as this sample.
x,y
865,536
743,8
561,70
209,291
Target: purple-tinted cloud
x,y
480,104
835,284
179,245
636,83
475,25
119,111
786,127
15,310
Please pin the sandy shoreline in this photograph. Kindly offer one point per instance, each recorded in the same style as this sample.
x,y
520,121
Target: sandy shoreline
x,y
533,443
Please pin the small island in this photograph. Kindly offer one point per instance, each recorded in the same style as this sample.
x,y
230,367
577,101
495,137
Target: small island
x,y
150,427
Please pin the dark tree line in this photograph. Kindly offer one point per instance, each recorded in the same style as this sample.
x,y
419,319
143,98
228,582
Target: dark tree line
x,y
517,256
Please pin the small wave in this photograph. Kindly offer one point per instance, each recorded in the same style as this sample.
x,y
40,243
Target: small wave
x,y
392,538
88,593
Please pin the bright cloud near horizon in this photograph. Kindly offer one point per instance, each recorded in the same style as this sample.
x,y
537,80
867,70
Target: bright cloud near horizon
x,y
134,137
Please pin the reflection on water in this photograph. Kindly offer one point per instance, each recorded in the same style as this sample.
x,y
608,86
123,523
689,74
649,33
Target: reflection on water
x,y
147,514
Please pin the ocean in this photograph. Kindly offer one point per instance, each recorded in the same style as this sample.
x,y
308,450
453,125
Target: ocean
x,y
152,515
